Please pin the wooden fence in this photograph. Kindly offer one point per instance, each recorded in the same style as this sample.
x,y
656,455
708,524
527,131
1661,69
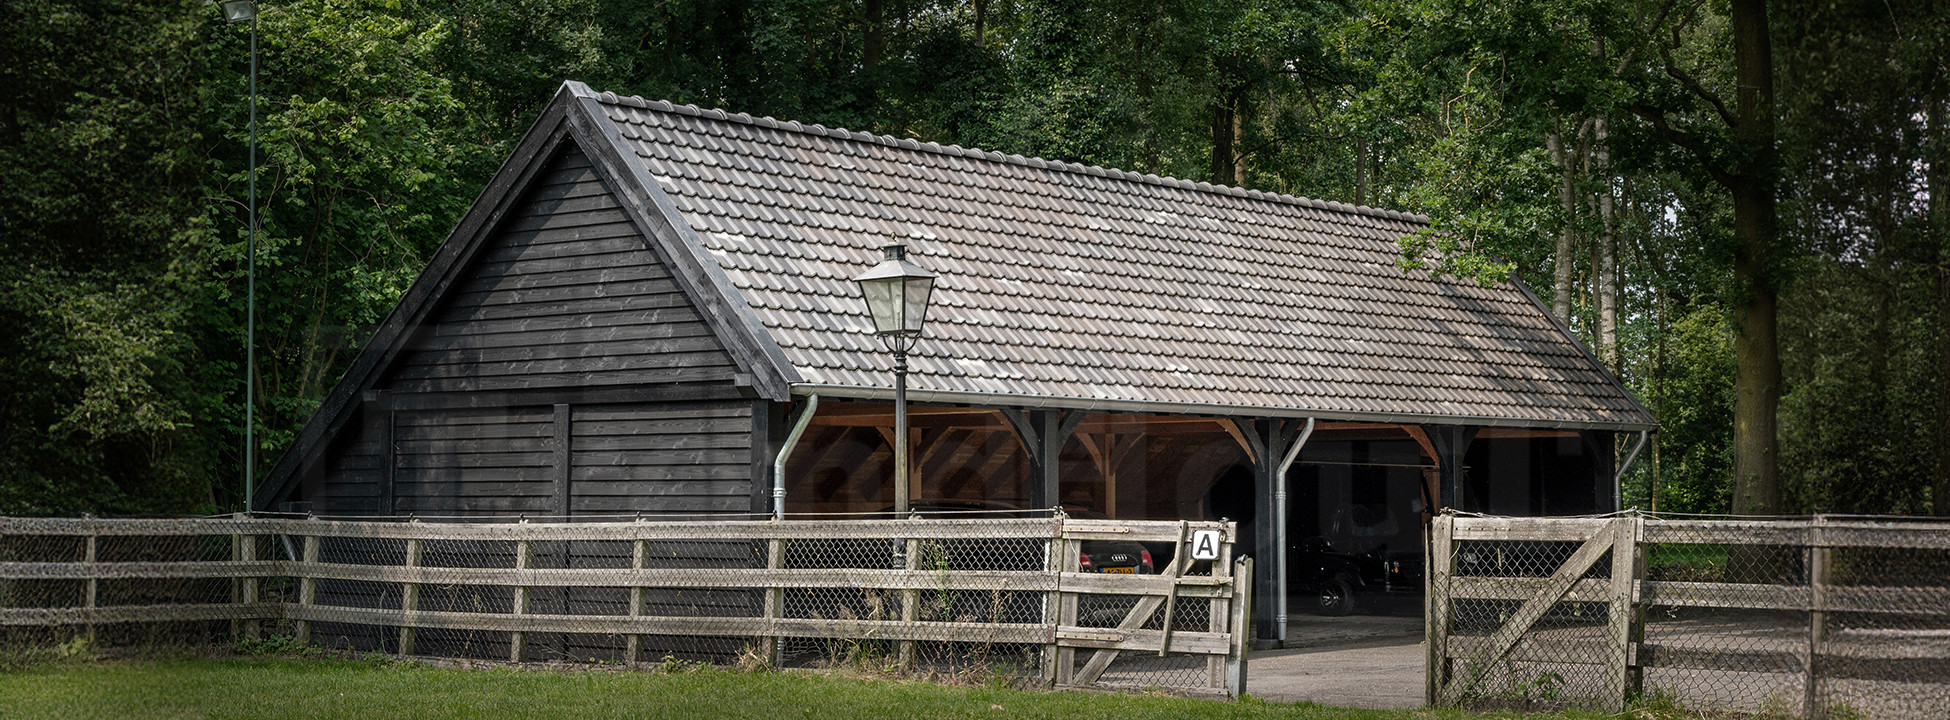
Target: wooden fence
x,y
642,587
1818,617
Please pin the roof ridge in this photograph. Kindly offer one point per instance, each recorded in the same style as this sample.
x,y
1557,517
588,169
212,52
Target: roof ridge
x,y
1027,161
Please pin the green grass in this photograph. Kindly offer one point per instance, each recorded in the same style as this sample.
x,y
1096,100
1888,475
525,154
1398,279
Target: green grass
x,y
353,688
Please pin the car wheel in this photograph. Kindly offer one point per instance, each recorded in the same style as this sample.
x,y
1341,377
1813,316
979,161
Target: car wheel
x,y
1335,597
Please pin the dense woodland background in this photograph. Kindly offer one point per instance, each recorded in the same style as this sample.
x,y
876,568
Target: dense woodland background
x,y
1709,191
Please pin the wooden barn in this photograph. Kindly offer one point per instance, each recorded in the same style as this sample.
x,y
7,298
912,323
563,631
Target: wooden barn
x,y
649,300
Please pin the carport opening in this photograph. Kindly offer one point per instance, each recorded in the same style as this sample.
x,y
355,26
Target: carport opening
x,y
1360,500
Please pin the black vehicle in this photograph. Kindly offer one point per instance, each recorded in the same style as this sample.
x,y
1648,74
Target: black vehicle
x,y
1114,556
1333,580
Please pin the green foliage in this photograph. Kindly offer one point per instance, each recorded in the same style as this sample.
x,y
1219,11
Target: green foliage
x,y
1695,395
123,168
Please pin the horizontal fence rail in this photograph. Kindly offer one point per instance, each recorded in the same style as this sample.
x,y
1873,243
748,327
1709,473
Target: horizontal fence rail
x,y
1826,617
964,594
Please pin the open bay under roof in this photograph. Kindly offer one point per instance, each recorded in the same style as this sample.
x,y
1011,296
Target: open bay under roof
x,y
1070,286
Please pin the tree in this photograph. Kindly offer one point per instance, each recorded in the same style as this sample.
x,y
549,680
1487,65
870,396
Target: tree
x,y
1733,143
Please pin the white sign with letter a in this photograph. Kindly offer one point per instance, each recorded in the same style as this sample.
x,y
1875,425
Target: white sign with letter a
x,y
1205,544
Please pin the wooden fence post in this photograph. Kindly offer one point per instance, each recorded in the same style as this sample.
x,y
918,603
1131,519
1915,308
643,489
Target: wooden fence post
x,y
1817,617
1070,560
1219,612
1053,598
639,558
307,587
1242,626
910,598
246,551
775,601
1624,567
409,599
518,640
1435,598
94,583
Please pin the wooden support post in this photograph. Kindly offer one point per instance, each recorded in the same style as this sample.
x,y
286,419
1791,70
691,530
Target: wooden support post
x,y
1049,445
1043,433
633,645
1069,555
1263,439
775,602
1619,677
518,640
1052,600
1437,603
247,552
910,601
307,587
409,600
1812,706
94,583
1219,612
1635,677
1242,626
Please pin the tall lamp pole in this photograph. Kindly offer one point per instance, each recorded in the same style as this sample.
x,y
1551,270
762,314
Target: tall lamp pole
x,y
237,11
897,297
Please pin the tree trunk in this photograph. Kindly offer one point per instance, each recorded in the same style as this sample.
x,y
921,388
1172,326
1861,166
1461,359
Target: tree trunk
x,y
876,34
1659,388
1238,132
1938,177
1360,171
1607,255
1226,163
1757,374
981,21
1561,280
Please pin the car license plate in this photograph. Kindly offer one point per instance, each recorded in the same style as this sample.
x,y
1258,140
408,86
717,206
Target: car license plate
x,y
1121,570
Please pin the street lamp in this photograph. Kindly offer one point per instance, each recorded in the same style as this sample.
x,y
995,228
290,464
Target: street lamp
x,y
897,297
237,11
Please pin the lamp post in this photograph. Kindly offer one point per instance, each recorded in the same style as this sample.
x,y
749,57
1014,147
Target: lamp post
x,y
237,11
897,297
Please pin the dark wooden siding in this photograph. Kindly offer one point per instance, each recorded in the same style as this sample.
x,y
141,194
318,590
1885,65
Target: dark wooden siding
x,y
662,458
566,294
354,473
475,462
520,393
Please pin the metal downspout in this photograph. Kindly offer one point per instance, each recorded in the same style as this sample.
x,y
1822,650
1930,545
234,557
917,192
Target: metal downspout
x,y
1618,481
1279,528
785,451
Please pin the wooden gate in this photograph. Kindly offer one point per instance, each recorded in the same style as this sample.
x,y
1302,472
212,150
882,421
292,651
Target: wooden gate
x,y
1825,616
1533,570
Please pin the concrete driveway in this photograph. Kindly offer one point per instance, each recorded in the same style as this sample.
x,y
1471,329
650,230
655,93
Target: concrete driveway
x,y
1358,661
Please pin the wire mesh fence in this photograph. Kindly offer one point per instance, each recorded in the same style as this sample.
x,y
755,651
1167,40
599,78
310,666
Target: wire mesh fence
x,y
1824,617
960,597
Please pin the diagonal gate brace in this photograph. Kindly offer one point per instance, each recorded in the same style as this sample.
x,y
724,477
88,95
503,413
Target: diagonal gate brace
x,y
1506,637
1145,608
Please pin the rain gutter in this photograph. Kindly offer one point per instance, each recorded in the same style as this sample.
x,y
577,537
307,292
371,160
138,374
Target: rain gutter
x,y
785,451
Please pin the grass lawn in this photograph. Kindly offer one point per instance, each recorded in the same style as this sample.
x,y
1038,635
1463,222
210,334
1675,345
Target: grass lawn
x,y
341,688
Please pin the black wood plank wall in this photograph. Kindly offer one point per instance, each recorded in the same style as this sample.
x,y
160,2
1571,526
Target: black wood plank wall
x,y
563,373
568,295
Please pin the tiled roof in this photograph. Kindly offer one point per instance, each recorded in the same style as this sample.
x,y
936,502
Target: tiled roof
x,y
1092,285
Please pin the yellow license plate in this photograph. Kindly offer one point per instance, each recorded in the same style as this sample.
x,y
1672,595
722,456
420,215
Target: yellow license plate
x,y
1121,571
